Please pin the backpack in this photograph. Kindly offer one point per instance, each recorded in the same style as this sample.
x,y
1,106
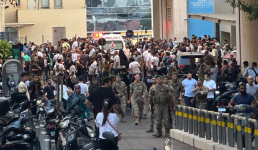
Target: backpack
x,y
51,61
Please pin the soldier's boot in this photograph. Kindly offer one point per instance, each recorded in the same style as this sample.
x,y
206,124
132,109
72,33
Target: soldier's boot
x,y
159,133
136,121
140,121
150,130
167,132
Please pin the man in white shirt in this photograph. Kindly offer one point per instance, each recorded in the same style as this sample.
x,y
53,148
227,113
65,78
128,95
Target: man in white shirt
x,y
251,88
57,56
39,54
116,64
74,55
154,60
75,43
84,87
22,87
93,68
210,96
92,51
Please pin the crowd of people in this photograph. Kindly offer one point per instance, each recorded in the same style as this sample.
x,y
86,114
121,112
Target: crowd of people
x,y
144,76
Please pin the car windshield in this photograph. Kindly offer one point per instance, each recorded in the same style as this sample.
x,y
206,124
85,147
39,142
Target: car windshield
x,y
117,45
184,60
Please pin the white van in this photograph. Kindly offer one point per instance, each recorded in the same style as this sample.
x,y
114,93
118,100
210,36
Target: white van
x,y
113,41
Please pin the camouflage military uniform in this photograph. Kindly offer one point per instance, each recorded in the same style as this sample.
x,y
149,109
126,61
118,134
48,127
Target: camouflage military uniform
x,y
201,97
161,98
178,88
152,116
137,90
120,88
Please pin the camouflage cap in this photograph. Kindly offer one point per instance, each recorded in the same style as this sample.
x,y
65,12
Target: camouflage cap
x,y
159,76
175,73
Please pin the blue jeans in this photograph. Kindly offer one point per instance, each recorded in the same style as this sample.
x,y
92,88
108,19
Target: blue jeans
x,y
188,101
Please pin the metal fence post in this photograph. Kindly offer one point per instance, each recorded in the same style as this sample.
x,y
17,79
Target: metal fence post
x,y
239,135
208,125
223,131
230,126
179,113
177,118
214,127
190,116
42,134
256,133
220,127
195,121
47,142
248,134
185,116
200,123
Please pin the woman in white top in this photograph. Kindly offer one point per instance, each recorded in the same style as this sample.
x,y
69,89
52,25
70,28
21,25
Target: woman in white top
x,y
107,121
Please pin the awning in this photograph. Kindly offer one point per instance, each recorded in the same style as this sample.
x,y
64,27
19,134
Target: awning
x,y
18,25
223,18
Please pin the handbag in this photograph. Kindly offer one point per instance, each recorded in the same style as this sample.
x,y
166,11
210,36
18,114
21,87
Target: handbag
x,y
119,134
74,80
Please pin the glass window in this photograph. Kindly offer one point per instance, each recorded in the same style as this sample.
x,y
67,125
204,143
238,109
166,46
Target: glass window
x,y
90,25
18,3
44,4
122,16
58,4
94,3
105,16
89,10
146,23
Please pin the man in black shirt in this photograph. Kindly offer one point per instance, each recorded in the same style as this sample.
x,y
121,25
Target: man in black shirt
x,y
48,90
99,94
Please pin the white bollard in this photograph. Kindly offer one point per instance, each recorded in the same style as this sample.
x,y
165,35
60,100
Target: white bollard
x,y
47,142
42,134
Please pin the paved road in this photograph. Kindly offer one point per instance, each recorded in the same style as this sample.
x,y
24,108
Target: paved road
x,y
135,137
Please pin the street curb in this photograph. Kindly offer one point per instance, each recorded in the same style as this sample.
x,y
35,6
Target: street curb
x,y
197,142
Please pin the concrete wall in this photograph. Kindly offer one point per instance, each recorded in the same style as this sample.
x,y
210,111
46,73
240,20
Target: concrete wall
x,y
46,19
221,7
231,30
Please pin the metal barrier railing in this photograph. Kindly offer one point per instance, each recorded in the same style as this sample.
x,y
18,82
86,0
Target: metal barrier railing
x,y
217,126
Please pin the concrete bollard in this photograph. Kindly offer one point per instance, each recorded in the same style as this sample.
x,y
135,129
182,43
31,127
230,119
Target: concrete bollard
x,y
37,129
46,142
42,134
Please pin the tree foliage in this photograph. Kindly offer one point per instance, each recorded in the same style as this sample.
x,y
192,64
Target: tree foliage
x,y
5,50
250,8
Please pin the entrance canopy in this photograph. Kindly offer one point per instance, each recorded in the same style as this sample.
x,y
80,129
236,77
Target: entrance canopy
x,y
18,25
223,18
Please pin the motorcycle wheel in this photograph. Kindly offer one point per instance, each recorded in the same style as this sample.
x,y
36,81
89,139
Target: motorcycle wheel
x,y
36,146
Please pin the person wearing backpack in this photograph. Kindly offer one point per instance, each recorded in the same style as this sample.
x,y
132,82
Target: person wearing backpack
x,y
254,71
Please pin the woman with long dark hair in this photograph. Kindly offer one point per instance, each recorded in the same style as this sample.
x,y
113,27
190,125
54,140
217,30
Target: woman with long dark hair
x,y
107,121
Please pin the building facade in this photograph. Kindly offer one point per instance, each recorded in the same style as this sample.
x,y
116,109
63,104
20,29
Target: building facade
x,y
46,20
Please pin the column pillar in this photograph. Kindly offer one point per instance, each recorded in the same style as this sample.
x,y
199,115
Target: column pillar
x,y
156,4
2,16
247,35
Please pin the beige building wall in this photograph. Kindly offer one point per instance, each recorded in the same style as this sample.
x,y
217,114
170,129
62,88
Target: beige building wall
x,y
221,7
176,26
72,16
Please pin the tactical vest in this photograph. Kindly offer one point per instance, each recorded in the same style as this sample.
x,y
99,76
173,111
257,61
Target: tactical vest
x,y
161,96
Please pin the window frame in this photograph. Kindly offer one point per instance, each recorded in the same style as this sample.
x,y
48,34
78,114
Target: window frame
x,y
44,7
58,7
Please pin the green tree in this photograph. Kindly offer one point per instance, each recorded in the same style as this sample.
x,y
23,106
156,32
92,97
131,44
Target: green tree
x,y
250,8
5,50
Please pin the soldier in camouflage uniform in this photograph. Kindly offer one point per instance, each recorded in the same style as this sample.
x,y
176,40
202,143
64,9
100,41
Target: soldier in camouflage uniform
x,y
201,92
138,90
178,92
151,109
120,90
161,97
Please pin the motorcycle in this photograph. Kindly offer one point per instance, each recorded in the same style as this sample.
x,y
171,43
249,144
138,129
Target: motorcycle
x,y
74,133
242,110
223,95
18,135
